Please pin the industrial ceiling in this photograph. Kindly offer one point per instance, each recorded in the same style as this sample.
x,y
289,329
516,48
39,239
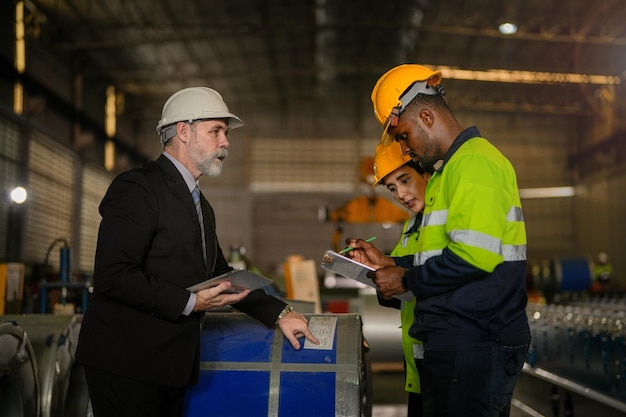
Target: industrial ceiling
x,y
277,53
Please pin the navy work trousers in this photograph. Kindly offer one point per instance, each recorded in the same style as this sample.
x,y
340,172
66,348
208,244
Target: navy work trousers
x,y
476,383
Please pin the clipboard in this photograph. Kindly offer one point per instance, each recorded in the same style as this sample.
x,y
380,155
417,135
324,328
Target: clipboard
x,y
349,268
240,278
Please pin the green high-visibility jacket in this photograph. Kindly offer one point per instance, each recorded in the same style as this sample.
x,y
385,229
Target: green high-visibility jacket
x,y
468,272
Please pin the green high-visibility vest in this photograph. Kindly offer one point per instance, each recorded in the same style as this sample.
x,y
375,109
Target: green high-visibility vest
x,y
407,245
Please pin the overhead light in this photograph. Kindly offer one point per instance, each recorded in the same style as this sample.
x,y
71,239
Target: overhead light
x,y
110,112
20,47
547,192
18,195
525,77
109,155
20,57
507,28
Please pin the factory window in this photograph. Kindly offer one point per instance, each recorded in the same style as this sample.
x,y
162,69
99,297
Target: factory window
x,y
316,164
95,182
10,157
51,210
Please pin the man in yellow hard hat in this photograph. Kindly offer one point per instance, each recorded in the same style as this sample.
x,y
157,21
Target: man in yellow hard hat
x,y
407,181
468,273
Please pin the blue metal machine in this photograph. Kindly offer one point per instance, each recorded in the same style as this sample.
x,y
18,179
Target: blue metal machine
x,y
248,369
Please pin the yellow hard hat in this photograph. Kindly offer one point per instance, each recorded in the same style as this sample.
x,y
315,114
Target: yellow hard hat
x,y
388,159
398,86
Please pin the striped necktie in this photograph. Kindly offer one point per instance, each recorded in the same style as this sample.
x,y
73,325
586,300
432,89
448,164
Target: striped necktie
x,y
196,199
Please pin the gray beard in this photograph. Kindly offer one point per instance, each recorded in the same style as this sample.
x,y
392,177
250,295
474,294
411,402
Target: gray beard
x,y
210,166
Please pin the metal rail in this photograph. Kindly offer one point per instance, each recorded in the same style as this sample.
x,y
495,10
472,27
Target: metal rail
x,y
575,387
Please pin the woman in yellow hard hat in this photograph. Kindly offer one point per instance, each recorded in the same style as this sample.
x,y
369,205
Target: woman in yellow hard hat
x,y
407,180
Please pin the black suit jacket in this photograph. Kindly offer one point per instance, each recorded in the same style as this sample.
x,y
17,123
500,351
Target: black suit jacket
x,y
149,250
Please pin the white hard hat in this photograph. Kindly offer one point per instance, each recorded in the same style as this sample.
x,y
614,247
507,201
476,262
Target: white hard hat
x,y
193,103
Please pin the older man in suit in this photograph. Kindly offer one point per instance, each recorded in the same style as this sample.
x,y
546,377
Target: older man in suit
x,y
140,336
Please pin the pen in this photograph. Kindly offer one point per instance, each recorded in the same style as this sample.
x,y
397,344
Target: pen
x,y
349,248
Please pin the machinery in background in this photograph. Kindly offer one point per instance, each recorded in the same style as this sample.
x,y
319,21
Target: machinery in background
x,y
580,346
39,376
65,284
11,287
548,280
19,387
332,379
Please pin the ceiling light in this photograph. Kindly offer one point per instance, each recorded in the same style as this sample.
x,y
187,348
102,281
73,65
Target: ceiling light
x,y
507,28
547,192
525,77
110,112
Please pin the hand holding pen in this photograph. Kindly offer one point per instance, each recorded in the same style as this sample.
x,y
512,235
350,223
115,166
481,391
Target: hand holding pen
x,y
367,254
349,248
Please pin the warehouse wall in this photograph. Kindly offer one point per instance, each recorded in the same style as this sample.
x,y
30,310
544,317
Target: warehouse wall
x,y
600,225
